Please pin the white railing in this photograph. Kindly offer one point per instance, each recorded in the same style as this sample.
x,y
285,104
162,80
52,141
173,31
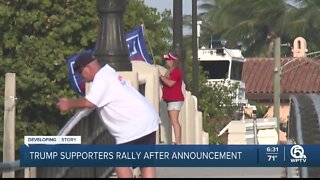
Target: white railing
x,y
190,117
147,76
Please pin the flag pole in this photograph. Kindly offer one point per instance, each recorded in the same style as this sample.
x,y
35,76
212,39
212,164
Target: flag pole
x,y
144,34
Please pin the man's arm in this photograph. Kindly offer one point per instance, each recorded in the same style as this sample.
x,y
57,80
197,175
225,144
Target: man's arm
x,y
68,104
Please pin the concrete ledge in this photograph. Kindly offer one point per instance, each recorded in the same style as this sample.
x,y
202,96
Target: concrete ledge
x,y
238,138
268,136
237,127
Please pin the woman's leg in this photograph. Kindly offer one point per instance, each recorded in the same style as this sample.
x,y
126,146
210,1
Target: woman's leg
x,y
174,117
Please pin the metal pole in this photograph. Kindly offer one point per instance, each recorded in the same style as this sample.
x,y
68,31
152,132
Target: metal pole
x,y
9,132
177,22
255,129
111,47
277,81
177,33
195,78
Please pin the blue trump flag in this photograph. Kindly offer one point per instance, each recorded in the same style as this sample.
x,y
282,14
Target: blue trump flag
x,y
76,81
136,45
137,52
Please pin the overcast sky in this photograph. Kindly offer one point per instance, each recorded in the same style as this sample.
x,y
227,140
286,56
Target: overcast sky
x,y
161,5
168,4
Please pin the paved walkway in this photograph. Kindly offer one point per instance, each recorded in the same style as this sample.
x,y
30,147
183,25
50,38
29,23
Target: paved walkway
x,y
220,172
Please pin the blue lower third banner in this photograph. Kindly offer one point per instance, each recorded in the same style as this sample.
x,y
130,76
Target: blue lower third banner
x,y
80,155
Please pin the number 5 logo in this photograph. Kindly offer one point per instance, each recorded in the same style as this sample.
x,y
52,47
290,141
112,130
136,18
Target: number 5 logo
x,y
297,152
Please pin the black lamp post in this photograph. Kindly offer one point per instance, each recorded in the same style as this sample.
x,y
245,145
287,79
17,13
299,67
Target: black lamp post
x,y
111,47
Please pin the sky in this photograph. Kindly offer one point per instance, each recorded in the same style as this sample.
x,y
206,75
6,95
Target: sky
x,y
168,4
161,5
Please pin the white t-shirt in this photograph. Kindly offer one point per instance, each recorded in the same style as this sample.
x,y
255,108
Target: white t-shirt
x,y
127,114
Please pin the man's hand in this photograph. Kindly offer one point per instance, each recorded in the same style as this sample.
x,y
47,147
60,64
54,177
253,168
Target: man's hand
x,y
63,104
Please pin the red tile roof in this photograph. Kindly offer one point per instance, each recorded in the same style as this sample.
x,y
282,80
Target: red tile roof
x,y
299,75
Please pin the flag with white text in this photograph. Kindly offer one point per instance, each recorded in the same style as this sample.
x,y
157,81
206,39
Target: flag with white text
x,y
136,45
137,52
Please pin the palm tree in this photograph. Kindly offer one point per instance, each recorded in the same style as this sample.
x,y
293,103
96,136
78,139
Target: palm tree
x,y
302,21
248,21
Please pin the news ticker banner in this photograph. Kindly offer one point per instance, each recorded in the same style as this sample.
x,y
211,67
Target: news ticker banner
x,y
82,155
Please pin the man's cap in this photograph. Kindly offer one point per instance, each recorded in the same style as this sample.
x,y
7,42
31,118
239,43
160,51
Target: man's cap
x,y
83,60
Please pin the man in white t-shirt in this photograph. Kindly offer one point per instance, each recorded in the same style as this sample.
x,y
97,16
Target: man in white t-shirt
x,y
127,114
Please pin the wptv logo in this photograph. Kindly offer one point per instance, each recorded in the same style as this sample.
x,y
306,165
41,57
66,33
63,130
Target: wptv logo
x,y
297,152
